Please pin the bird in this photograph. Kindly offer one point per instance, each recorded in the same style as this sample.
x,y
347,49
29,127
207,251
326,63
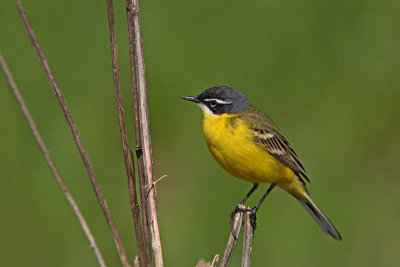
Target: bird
x,y
249,145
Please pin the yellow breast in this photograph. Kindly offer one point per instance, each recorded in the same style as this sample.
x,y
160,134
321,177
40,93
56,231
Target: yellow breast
x,y
231,143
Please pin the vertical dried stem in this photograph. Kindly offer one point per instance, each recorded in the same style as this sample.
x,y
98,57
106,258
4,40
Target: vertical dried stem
x,y
131,13
247,240
46,154
139,85
124,136
233,238
77,138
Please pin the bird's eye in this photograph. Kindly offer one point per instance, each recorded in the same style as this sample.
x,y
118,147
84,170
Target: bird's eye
x,y
213,103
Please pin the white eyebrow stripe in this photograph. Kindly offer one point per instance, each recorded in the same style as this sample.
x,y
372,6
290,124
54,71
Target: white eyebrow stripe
x,y
219,101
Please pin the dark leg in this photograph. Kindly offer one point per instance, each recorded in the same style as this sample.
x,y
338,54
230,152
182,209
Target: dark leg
x,y
255,209
255,186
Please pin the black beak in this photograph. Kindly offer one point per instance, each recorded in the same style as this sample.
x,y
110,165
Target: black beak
x,y
191,98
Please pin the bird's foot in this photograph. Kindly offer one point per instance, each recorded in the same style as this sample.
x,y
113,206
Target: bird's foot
x,y
253,218
241,208
238,208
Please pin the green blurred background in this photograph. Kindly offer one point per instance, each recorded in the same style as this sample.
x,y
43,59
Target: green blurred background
x,y
326,71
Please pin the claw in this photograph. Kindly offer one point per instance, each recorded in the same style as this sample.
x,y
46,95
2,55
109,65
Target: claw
x,y
232,217
253,219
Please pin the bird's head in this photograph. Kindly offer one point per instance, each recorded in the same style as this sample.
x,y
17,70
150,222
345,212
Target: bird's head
x,y
219,100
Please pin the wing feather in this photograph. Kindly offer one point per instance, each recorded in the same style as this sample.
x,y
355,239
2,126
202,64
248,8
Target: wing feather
x,y
279,147
267,134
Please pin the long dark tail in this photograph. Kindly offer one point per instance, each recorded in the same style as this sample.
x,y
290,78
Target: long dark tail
x,y
320,217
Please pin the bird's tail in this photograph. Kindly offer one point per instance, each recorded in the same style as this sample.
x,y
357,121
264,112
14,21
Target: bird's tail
x,y
320,217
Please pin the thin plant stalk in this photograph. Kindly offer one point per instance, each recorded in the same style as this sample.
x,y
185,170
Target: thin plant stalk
x,y
233,237
131,13
50,162
77,138
247,240
139,85
124,136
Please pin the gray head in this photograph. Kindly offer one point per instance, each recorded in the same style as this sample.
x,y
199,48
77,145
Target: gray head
x,y
220,99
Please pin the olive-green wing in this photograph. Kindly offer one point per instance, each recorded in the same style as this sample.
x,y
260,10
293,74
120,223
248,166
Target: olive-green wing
x,y
278,146
266,133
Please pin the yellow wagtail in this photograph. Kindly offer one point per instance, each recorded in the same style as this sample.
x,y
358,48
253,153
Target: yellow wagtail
x,y
248,145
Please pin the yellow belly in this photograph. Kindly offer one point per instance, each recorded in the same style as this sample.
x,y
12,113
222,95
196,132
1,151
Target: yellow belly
x,y
231,143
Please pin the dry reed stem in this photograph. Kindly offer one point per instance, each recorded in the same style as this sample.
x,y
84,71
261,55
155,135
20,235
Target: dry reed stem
x,y
247,240
215,261
129,167
46,154
203,263
136,262
130,13
77,138
233,237
142,124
